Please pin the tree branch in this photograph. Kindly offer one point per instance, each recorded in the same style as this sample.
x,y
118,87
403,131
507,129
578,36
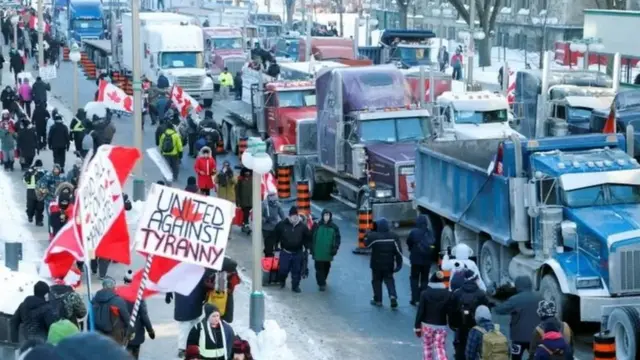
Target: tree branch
x,y
464,14
497,6
480,11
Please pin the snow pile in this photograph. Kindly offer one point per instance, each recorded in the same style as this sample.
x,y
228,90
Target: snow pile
x,y
270,343
16,286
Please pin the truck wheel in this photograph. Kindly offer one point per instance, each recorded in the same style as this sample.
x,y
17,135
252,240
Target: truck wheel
x,y
318,191
550,290
489,263
207,103
447,237
624,324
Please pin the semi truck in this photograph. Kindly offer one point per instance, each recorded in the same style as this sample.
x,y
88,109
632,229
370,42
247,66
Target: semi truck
x,y
403,48
560,210
85,20
224,48
366,138
170,44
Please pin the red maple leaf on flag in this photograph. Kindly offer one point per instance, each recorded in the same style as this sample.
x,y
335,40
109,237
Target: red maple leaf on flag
x,y
179,95
185,108
188,212
128,104
114,96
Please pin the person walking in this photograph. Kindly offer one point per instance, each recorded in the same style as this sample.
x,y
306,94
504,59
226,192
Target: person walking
x,y
205,168
59,141
443,58
24,91
40,118
431,318
110,312
78,129
213,336
244,196
385,260
67,302
61,330
27,144
485,340
421,245
272,215
226,83
34,316
523,308
171,149
553,345
225,182
142,325
295,240
548,314
8,138
187,312
325,243
35,207
456,64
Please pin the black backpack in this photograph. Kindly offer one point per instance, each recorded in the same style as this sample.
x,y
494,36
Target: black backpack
x,y
167,145
425,246
467,308
58,302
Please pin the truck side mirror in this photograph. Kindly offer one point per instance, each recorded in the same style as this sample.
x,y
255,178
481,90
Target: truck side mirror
x,y
569,231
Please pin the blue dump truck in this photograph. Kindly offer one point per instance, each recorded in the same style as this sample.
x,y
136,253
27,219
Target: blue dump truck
x,y
85,20
564,211
403,48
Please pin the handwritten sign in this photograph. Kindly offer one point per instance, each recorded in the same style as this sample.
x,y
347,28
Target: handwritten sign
x,y
100,195
48,73
184,226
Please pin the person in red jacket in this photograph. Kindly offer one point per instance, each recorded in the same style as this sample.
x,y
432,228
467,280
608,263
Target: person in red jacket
x,y
205,167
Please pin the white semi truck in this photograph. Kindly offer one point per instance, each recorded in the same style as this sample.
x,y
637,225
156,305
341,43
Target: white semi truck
x,y
171,44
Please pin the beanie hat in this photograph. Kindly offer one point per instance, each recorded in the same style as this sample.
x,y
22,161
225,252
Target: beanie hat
x,y
437,277
547,309
293,211
108,283
40,289
482,312
192,352
38,163
60,330
210,309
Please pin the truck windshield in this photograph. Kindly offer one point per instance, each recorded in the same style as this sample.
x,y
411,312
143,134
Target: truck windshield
x,y
412,54
607,194
173,60
481,117
87,24
271,30
393,130
226,44
579,114
294,99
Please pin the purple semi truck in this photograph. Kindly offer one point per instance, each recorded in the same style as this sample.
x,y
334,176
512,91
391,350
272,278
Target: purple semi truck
x,y
367,136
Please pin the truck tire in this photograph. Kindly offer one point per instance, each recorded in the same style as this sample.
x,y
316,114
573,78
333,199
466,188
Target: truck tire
x,y
489,263
319,191
447,238
624,324
550,290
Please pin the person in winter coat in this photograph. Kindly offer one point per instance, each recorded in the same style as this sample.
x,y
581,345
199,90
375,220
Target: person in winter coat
x,y
171,149
163,82
49,183
295,241
40,118
205,167
8,138
213,336
77,128
421,245
443,58
34,315
473,349
192,136
431,317
73,175
143,324
67,302
325,242
241,350
548,314
237,85
456,64
272,215
59,141
192,185
244,191
82,346
39,91
61,330
226,182
16,65
386,259
106,130
27,144
524,318
187,311
25,96
464,302
110,311
231,279
553,344
35,208
8,98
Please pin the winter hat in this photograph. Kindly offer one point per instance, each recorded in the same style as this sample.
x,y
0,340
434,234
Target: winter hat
x,y
38,163
108,283
192,353
60,330
482,313
547,309
437,277
40,289
191,180
210,309
293,211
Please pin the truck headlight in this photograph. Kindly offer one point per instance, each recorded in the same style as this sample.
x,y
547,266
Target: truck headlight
x,y
383,193
589,283
287,148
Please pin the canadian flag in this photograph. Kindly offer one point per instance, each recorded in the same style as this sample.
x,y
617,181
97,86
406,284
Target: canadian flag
x,y
113,97
165,275
64,249
610,123
183,101
268,185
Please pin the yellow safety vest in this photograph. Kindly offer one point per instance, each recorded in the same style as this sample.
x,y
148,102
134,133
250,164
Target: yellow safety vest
x,y
78,127
226,79
202,344
31,184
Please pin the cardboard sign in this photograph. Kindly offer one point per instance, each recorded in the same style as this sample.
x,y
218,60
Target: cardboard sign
x,y
100,195
48,73
184,226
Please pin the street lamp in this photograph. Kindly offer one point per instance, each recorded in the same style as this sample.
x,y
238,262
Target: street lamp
x,y
585,46
256,159
75,56
468,36
14,21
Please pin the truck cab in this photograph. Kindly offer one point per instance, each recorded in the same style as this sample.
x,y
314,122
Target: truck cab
x,y
269,28
403,48
85,20
475,115
570,108
223,47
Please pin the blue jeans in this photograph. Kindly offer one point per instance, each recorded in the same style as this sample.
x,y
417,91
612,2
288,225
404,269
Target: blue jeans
x,y
291,263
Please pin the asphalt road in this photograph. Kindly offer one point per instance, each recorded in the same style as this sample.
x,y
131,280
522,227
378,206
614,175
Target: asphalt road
x,y
341,318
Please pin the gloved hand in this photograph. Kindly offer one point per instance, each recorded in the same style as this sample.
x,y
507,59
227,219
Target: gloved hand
x,y
418,332
152,334
168,297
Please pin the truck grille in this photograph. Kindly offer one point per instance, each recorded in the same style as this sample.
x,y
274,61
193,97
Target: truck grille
x,y
189,82
623,276
234,65
307,137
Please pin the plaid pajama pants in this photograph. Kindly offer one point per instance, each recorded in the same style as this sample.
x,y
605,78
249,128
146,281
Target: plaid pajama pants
x,y
434,342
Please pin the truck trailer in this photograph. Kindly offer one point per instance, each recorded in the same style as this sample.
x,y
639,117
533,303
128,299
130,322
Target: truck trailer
x,y
563,211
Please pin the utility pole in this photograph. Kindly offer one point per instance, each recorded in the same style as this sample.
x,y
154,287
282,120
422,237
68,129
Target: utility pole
x,y
40,30
441,27
138,182
471,49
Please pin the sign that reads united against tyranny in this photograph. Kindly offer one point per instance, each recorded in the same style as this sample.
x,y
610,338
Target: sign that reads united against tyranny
x,y
185,226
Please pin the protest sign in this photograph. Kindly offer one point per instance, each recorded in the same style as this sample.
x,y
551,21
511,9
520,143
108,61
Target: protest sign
x,y
161,163
100,195
183,226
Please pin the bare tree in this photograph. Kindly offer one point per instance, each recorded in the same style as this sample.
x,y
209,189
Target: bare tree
x,y
611,4
541,19
403,9
291,7
486,13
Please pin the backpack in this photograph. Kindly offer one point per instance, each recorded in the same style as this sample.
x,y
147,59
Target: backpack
x,y
426,244
467,310
566,332
105,319
59,304
167,145
495,345
556,354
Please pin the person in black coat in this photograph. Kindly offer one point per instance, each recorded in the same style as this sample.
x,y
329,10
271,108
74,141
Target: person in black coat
x,y
77,128
34,316
187,311
143,324
59,141
40,118
295,241
8,98
421,244
237,85
39,91
15,64
431,317
386,259
27,144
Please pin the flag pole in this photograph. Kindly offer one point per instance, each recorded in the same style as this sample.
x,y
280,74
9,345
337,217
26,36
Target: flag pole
x,y
136,305
91,322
